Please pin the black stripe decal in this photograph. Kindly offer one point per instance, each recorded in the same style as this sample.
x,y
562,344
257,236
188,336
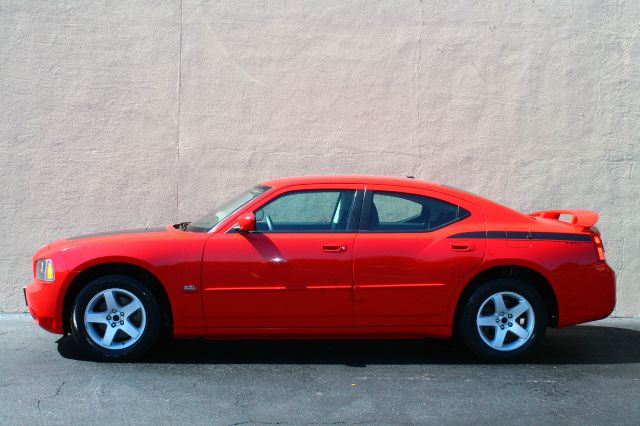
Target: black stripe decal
x,y
521,235
126,231
478,234
560,236
497,234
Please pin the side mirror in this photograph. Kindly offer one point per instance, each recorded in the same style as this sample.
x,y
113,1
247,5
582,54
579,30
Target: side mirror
x,y
247,222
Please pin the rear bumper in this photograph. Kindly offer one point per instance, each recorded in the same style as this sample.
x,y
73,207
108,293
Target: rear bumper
x,y
588,295
41,299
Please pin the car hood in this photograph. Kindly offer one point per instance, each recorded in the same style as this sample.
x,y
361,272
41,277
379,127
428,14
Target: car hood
x,y
102,236
121,232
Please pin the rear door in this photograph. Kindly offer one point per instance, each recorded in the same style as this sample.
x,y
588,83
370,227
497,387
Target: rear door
x,y
407,259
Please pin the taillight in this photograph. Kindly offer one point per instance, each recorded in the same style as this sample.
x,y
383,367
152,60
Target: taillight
x,y
599,247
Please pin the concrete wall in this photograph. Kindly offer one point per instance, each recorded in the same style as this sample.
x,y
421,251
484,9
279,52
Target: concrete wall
x,y
126,114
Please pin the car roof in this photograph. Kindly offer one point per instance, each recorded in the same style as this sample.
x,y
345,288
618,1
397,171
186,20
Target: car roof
x,y
351,179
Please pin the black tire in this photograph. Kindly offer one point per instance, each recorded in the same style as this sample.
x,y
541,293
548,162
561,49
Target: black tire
x,y
470,332
122,285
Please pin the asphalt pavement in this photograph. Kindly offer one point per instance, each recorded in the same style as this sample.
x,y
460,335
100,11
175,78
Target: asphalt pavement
x,y
588,374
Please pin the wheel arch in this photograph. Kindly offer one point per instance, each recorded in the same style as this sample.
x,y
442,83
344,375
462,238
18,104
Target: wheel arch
x,y
524,273
117,268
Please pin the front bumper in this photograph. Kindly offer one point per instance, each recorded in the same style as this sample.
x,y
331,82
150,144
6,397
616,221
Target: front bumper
x,y
42,301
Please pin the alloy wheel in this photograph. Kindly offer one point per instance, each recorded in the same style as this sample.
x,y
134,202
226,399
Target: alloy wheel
x,y
505,321
115,318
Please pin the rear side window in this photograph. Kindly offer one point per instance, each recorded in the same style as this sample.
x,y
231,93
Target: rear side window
x,y
307,211
402,212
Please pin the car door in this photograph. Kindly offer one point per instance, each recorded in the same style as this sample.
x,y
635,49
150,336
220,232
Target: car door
x,y
406,265
294,270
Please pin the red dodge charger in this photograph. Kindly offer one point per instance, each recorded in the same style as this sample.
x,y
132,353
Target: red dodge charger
x,y
330,257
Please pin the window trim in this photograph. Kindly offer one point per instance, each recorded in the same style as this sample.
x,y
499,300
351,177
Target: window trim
x,y
368,202
353,221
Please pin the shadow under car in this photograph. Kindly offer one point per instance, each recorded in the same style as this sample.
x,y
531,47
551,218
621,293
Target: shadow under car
x,y
585,344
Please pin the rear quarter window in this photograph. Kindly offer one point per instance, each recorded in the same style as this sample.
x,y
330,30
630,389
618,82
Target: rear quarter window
x,y
403,212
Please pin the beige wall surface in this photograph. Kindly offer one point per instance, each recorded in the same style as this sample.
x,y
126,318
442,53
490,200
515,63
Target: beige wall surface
x,y
131,114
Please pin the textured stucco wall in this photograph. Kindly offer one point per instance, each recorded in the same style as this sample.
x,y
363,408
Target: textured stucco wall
x,y
127,114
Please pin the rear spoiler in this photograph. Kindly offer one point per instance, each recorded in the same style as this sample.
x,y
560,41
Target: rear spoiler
x,y
584,218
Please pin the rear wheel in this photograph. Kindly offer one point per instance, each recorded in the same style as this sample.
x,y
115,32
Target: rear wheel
x,y
115,318
503,320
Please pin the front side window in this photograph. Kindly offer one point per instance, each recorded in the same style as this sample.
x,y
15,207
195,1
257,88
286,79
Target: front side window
x,y
402,212
307,211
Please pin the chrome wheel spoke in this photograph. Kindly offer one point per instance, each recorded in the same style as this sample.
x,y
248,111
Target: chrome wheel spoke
x,y
132,307
110,299
97,318
498,340
130,329
487,321
109,334
498,302
519,331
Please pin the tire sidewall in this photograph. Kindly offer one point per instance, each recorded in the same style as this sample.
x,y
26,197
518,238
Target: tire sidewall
x,y
149,335
469,330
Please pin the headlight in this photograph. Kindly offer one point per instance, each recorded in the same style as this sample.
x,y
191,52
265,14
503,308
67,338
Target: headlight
x,y
44,270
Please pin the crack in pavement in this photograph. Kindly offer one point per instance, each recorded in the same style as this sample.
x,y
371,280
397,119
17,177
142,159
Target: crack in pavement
x,y
59,389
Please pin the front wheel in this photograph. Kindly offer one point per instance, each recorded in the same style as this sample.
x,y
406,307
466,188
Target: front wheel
x,y
503,319
115,318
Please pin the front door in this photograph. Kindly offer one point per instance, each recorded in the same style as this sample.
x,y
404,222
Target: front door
x,y
406,264
295,270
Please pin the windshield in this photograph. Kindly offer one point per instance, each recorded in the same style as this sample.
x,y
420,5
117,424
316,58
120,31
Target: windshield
x,y
205,223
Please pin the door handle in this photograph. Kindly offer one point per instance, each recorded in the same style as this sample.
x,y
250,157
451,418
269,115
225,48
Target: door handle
x,y
461,246
333,247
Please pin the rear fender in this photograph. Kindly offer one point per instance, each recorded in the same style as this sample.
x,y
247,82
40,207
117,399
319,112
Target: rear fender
x,y
485,266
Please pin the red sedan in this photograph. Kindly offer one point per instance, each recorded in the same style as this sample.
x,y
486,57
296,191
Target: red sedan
x,y
330,257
